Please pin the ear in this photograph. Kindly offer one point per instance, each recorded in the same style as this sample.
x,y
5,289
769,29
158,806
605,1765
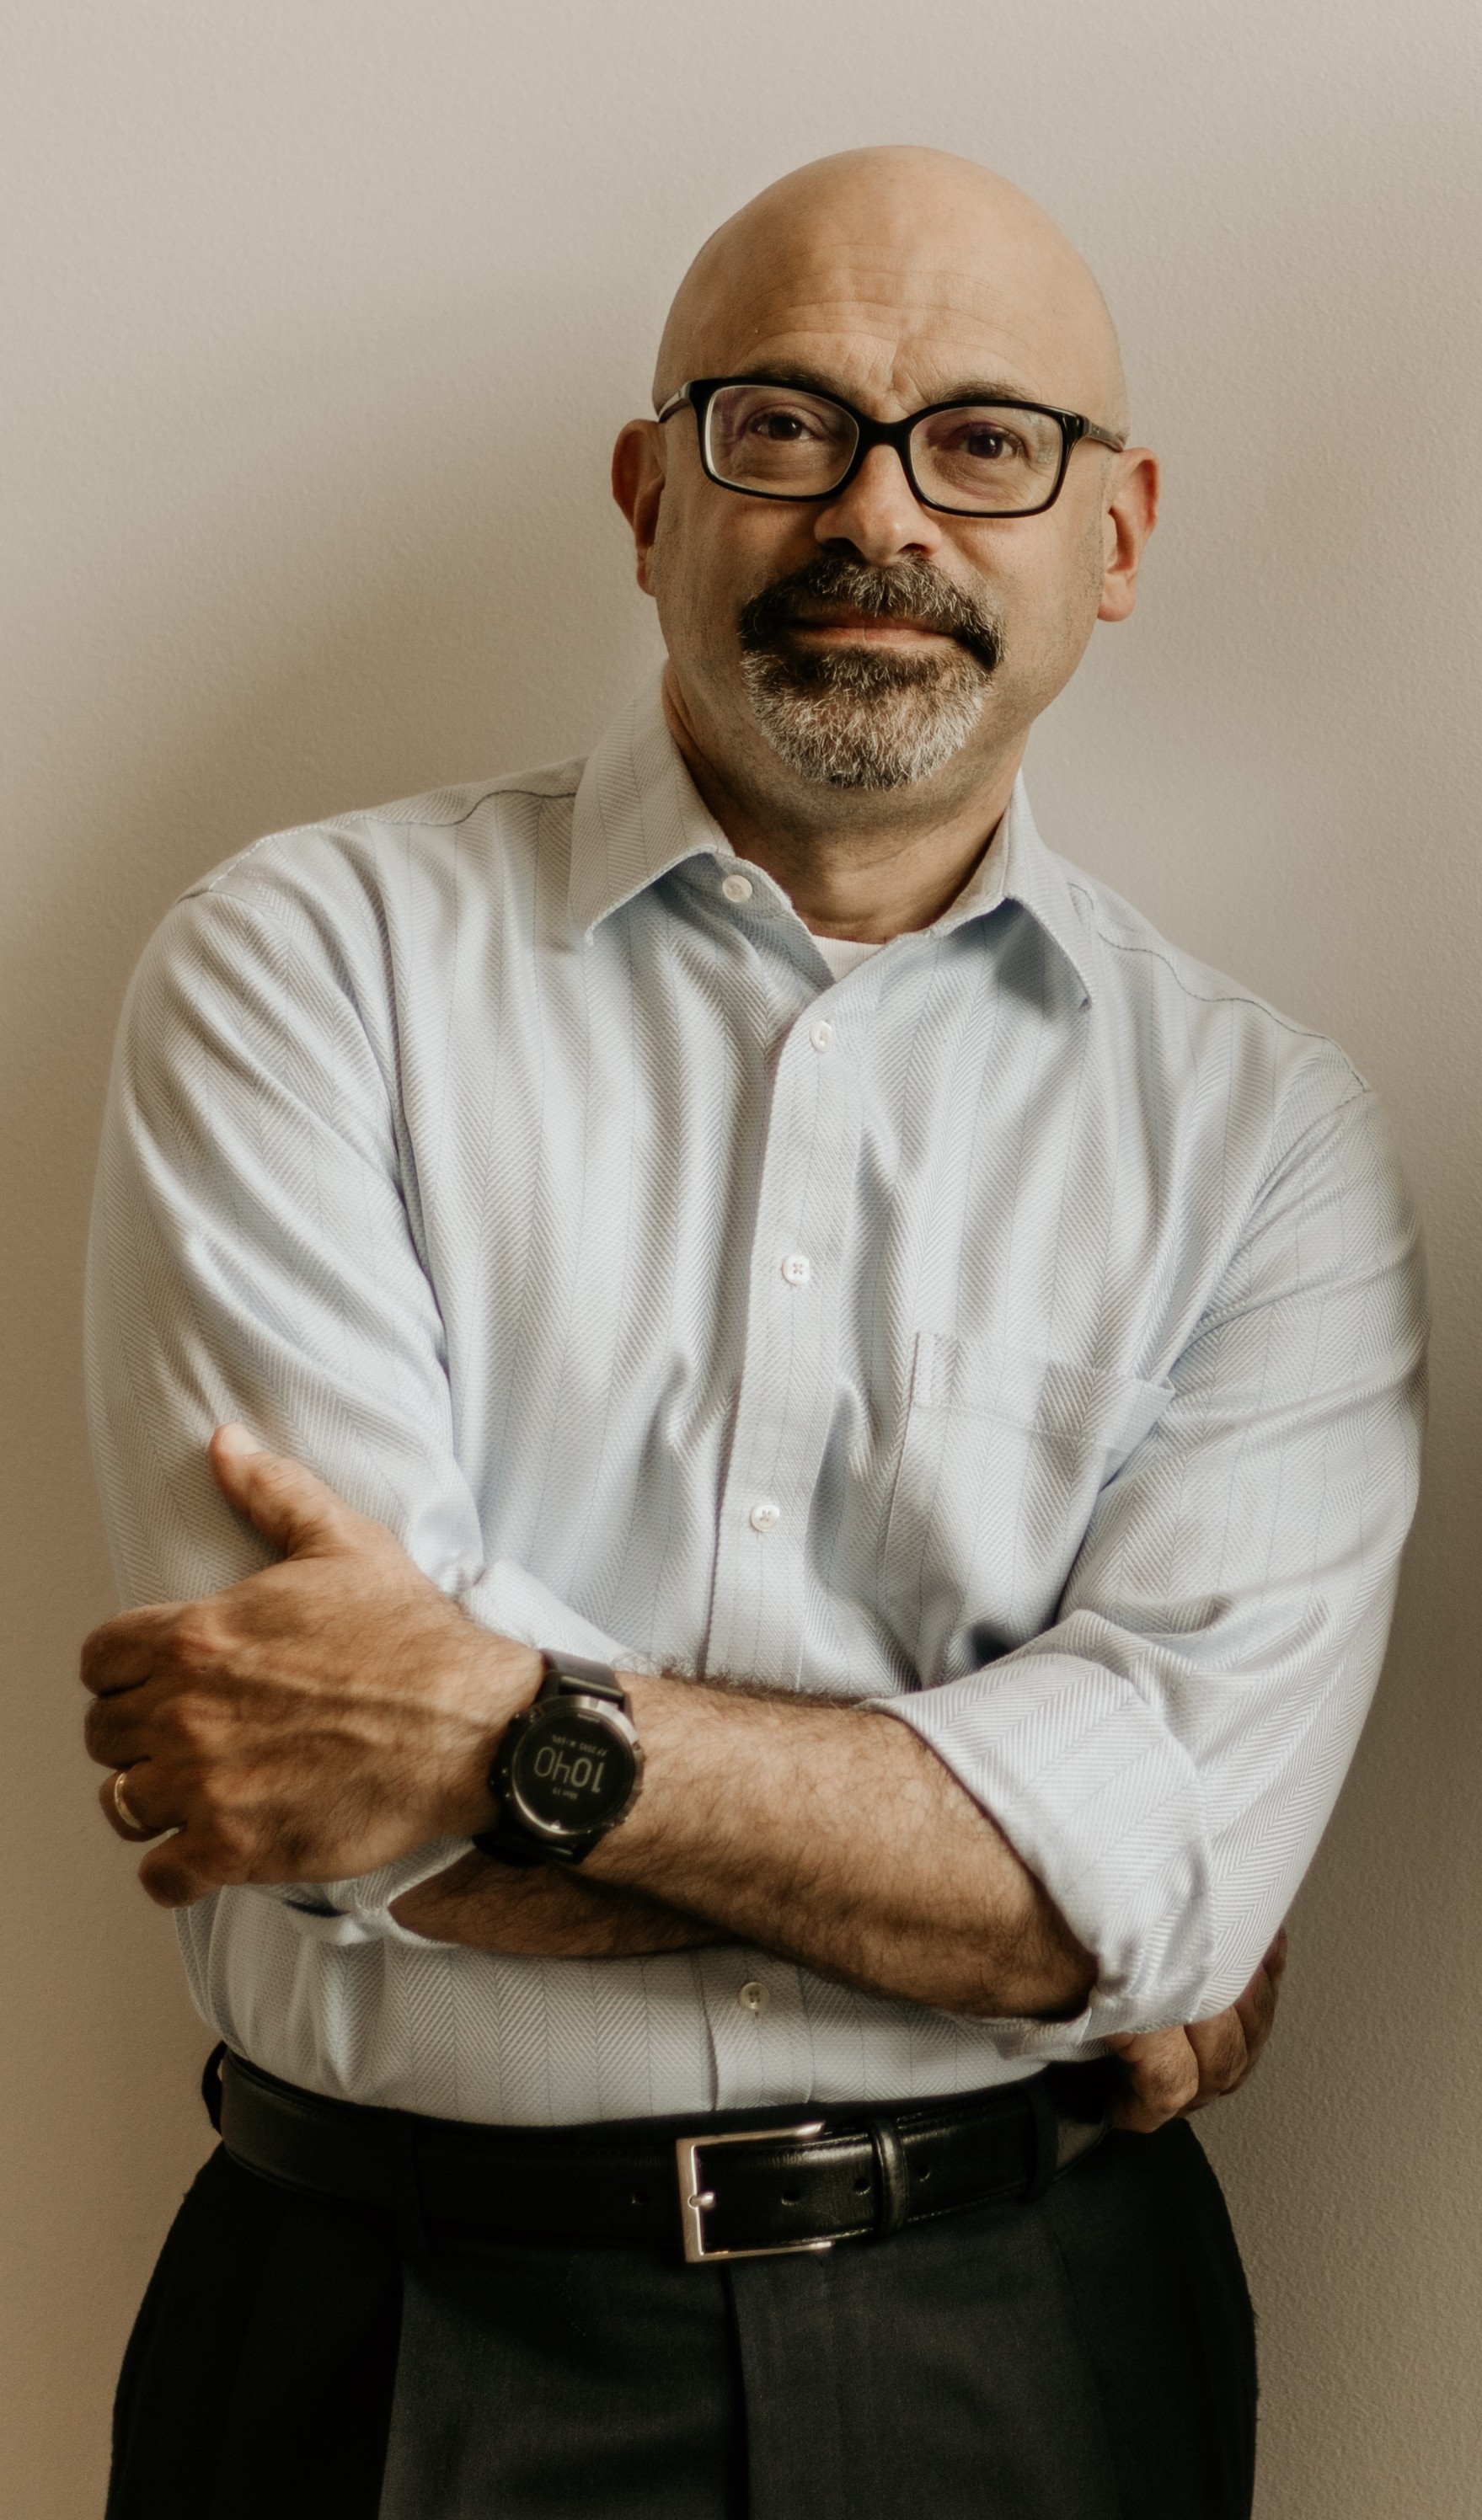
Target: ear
x,y
1131,512
638,486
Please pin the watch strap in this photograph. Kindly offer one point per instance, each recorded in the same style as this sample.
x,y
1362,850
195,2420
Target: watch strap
x,y
572,1676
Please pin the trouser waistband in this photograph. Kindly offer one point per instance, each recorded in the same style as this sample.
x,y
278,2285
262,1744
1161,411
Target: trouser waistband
x,y
712,2188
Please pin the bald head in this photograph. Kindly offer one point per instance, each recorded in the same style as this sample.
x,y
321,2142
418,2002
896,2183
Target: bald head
x,y
928,274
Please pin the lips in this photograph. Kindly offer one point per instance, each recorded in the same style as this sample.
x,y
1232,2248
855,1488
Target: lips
x,y
872,622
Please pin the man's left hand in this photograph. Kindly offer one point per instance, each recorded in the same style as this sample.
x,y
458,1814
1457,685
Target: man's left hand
x,y
1170,2072
318,1719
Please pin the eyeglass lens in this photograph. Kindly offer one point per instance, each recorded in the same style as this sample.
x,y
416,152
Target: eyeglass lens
x,y
984,458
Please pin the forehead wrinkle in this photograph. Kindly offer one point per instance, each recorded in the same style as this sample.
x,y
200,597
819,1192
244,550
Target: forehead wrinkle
x,y
895,380
912,372
889,338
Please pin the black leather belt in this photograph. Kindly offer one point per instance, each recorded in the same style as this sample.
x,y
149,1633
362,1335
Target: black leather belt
x,y
719,2188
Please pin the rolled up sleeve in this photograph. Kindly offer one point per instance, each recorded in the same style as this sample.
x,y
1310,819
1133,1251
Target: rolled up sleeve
x,y
1166,1755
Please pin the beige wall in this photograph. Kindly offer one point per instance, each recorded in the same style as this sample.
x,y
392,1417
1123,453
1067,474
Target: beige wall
x,y
326,316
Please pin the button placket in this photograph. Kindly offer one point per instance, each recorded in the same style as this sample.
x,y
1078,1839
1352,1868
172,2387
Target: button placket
x,y
786,1393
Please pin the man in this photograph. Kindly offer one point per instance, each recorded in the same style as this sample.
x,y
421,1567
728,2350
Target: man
x,y
831,1427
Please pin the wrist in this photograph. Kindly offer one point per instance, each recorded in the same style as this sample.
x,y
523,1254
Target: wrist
x,y
504,1678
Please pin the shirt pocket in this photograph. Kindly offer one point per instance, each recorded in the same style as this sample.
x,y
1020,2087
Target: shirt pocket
x,y
1003,1456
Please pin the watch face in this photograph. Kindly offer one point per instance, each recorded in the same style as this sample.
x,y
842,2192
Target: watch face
x,y
571,1771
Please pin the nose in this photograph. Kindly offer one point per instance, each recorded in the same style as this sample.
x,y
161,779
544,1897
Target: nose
x,y
878,514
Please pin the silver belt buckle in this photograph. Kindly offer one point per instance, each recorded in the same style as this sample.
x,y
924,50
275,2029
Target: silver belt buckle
x,y
694,2200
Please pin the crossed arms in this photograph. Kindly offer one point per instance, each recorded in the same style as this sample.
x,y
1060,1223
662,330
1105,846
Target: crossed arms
x,y
337,1711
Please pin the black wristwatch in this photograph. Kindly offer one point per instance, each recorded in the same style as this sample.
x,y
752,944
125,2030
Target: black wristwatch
x,y
567,1771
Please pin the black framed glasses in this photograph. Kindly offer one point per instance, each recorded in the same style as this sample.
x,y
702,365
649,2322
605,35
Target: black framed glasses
x,y
770,439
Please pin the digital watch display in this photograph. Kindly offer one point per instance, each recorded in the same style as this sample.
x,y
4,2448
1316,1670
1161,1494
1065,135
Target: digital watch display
x,y
567,1771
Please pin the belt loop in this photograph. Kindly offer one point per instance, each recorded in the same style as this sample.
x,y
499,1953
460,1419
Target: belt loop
x,y
1045,2130
892,2177
406,2192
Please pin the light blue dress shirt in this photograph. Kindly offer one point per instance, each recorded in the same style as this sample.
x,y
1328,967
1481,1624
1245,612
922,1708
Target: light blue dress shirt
x,y
1021,1332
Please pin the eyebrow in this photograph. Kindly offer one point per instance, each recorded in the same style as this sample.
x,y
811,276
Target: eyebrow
x,y
810,380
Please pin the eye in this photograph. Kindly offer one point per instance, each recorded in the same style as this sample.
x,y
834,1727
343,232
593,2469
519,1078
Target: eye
x,y
772,437
984,442
783,424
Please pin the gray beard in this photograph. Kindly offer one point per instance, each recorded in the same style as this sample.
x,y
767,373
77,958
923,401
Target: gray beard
x,y
865,721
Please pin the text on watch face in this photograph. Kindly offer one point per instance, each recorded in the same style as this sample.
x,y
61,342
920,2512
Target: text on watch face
x,y
573,1767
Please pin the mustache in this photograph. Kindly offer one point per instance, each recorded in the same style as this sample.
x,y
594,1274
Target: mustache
x,y
908,591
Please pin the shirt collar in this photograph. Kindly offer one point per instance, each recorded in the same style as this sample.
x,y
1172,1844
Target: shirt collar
x,y
638,814
1019,868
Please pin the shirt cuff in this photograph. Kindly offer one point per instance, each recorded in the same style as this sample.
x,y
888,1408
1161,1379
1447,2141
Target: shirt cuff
x,y
512,1604
1100,1801
359,1911
518,1604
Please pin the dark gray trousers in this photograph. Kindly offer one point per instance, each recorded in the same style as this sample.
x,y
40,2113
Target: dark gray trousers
x,y
1087,2356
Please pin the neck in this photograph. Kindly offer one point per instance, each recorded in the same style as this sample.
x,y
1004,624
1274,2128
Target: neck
x,y
861,864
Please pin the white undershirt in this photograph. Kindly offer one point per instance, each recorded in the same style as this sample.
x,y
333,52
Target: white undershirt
x,y
845,954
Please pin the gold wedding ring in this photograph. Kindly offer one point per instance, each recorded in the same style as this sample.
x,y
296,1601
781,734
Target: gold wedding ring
x,y
129,1818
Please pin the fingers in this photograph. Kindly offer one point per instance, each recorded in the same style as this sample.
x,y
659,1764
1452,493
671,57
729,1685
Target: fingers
x,y
121,1653
199,1849
1256,2010
138,1799
1170,2072
291,1507
172,1876
116,1730
189,1860
1221,2054
1256,2005
1162,2080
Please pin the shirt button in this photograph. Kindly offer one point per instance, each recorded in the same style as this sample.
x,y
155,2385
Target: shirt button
x,y
753,1997
797,1268
736,889
764,1515
822,1036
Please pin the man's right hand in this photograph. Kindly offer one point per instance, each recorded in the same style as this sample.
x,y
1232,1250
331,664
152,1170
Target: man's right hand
x,y
311,1722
